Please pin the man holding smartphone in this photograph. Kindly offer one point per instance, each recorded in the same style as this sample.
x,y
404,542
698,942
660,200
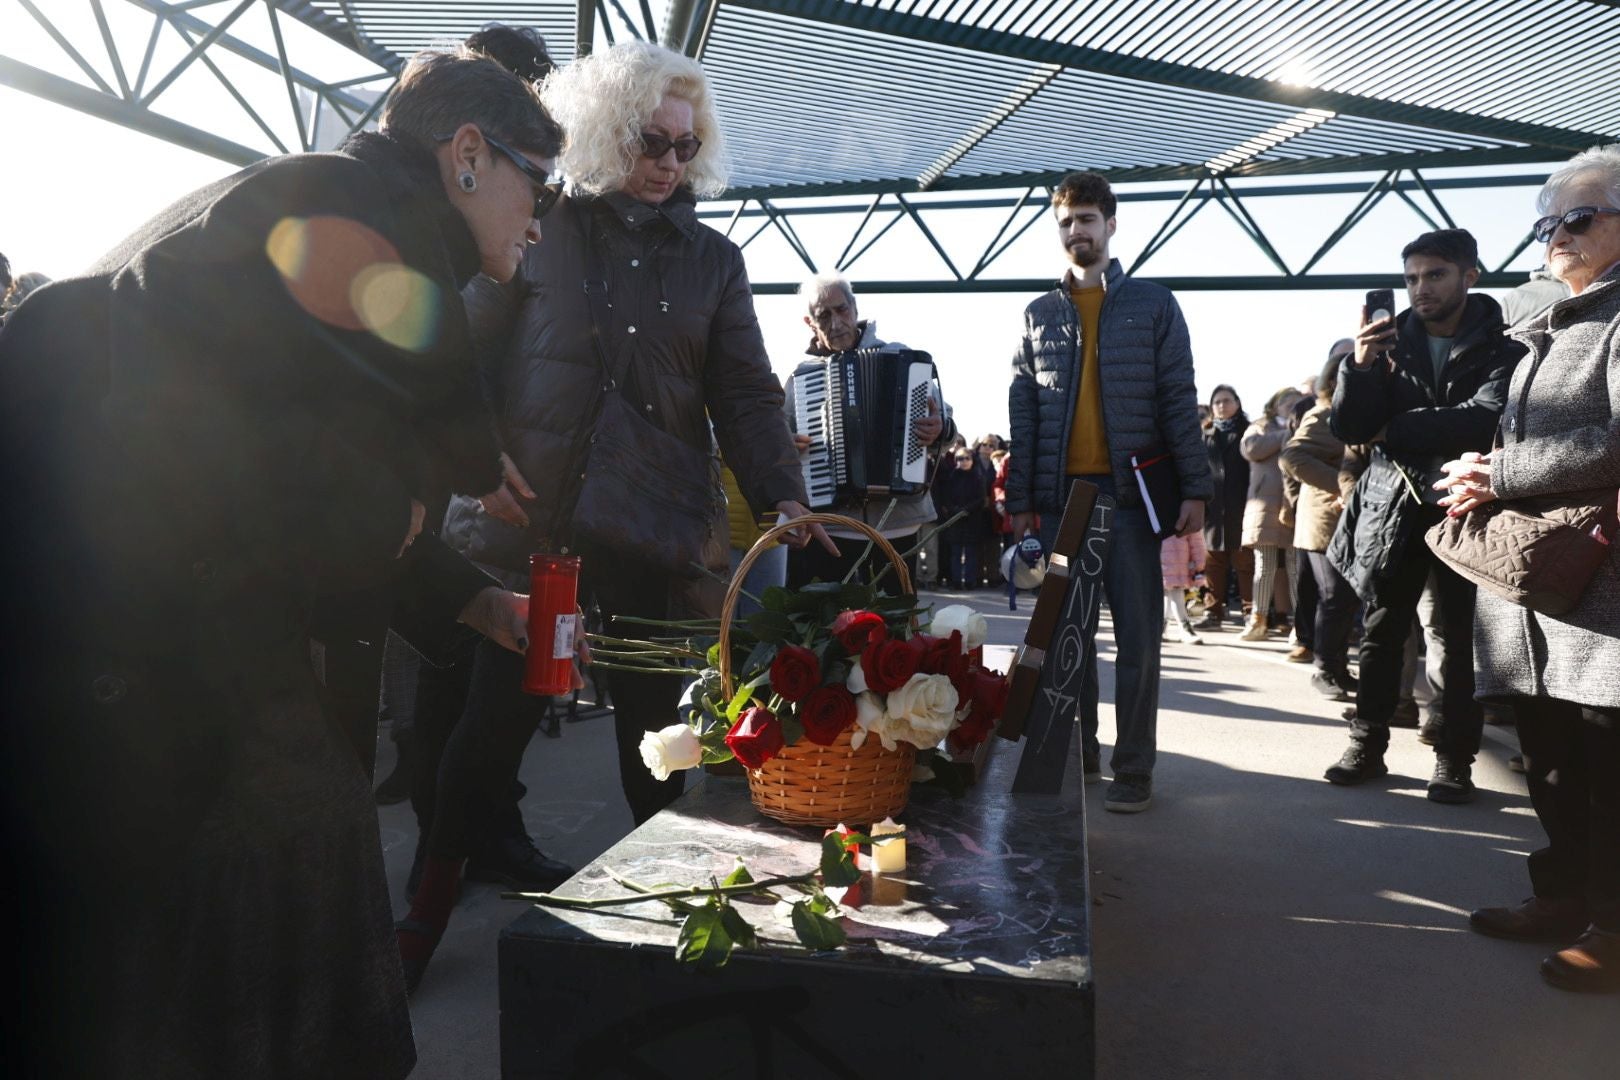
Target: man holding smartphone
x,y
1422,387
1104,370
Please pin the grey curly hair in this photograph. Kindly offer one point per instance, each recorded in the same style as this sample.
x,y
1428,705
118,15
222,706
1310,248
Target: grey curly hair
x,y
1604,160
603,100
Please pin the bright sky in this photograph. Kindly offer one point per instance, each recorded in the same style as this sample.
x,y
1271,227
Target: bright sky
x,y
92,182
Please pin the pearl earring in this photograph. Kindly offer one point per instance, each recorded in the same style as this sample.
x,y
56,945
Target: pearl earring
x,y
468,181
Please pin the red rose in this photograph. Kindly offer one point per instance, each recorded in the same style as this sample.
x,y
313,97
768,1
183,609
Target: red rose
x,y
795,672
990,690
855,630
986,692
943,656
756,737
970,732
888,664
826,713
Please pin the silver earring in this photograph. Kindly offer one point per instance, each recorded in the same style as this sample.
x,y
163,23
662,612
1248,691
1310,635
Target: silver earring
x,y
468,181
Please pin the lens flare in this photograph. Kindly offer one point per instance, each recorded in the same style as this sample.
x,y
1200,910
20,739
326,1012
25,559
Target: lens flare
x,y
346,274
398,304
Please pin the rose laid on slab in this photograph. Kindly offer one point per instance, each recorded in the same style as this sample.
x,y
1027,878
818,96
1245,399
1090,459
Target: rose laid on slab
x,y
671,749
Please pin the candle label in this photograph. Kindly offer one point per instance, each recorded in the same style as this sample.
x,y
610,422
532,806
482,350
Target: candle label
x,y
562,639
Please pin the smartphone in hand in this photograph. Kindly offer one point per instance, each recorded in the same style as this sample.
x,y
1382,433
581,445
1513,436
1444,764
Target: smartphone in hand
x,y
1380,305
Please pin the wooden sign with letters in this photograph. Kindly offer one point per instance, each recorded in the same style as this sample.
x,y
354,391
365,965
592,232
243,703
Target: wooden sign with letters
x,y
1049,665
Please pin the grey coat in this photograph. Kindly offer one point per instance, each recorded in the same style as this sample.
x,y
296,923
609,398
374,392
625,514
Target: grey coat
x,y
1148,395
1561,434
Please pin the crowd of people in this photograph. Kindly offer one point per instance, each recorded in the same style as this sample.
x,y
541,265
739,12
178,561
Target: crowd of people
x,y
229,516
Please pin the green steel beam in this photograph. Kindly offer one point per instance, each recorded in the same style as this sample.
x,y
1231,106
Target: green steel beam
x,y
1248,224
43,84
1171,226
1459,183
1080,58
1189,172
1033,286
181,18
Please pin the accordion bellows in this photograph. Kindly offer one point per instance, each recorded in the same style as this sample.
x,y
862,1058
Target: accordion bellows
x,y
858,408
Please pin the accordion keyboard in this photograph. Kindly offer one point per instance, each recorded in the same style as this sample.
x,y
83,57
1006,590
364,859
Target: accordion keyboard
x,y
810,418
914,456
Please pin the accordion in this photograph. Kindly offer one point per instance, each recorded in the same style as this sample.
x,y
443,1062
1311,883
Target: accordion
x,y
858,409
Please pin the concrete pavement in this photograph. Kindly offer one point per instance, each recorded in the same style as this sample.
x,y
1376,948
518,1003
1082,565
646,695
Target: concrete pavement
x,y
1256,922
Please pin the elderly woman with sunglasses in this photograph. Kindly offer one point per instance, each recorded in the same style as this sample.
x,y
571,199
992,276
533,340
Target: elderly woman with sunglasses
x,y
676,314
243,406
1560,441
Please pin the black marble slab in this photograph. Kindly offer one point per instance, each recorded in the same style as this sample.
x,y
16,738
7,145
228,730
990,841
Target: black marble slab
x,y
976,960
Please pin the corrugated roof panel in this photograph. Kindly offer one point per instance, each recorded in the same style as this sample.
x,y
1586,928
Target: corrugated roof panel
x,y
407,27
1534,61
794,114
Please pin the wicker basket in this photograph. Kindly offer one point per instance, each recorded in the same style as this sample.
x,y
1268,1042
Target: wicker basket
x,y
807,784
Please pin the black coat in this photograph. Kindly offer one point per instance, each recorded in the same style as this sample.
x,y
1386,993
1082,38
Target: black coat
x,y
1223,521
682,324
1416,424
209,429
957,489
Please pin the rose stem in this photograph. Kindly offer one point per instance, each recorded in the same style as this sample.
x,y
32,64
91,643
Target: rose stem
x,y
549,900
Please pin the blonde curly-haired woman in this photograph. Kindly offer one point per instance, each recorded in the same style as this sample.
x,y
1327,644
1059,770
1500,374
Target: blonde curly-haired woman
x,y
676,320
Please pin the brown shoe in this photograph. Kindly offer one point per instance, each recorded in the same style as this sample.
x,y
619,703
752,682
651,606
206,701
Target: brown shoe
x,y
1591,965
1534,920
1300,654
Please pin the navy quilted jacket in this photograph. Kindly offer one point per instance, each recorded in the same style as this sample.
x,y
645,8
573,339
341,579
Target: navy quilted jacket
x,y
1148,394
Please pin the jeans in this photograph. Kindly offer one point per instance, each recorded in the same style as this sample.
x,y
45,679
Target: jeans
x,y
1572,765
769,569
1336,605
1306,597
1133,583
959,563
1383,647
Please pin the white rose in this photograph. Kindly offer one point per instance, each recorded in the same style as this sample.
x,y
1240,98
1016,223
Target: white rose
x,y
975,630
868,718
675,747
855,683
923,711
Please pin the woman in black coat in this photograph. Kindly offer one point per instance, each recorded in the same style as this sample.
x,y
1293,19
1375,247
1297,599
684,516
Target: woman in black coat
x,y
631,280
1223,522
242,407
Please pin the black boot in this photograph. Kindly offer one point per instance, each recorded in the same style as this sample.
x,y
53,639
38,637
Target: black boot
x,y
1358,764
515,862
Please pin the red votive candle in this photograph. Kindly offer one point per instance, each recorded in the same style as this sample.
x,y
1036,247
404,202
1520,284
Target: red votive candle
x,y
553,610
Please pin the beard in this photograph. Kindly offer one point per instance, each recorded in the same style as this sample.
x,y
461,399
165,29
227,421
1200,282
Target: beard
x,y
1085,256
1445,309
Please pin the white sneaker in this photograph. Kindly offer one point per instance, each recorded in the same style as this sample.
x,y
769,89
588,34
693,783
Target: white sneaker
x,y
1189,636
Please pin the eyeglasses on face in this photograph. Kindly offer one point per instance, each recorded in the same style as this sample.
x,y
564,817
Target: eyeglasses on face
x,y
1576,221
546,194
654,145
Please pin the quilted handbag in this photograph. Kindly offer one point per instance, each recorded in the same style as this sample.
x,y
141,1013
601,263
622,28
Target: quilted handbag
x,y
1540,554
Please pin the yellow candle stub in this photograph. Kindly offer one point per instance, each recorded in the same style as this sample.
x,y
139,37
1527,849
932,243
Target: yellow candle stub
x,y
888,847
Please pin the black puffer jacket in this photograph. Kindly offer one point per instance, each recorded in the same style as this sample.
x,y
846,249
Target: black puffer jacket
x,y
681,308
1148,397
1229,471
1416,426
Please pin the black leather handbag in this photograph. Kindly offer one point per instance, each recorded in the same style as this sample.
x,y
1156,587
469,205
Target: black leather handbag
x,y
643,493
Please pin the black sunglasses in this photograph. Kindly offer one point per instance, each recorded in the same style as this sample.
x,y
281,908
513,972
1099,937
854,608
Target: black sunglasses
x,y
1576,221
654,145
546,193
